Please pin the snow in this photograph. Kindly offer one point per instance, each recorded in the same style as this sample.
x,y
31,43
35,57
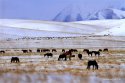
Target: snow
x,y
68,14
112,27
45,26
116,31
109,13
10,28
73,13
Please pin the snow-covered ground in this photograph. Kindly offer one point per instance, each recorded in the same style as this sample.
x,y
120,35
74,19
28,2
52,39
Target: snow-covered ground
x,y
36,28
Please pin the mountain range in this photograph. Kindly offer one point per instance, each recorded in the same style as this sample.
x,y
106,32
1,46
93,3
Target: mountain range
x,y
74,14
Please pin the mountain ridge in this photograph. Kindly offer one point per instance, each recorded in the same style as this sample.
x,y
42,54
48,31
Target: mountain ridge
x,y
70,15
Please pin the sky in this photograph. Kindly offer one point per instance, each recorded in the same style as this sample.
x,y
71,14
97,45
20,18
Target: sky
x,y
48,9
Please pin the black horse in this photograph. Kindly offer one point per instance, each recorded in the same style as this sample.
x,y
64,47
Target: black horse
x,y
80,56
92,63
63,50
74,50
64,56
15,60
89,53
45,50
54,50
25,51
48,55
100,50
105,50
2,51
96,53
85,50
73,56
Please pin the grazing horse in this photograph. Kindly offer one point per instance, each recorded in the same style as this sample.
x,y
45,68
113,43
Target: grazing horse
x,y
89,53
100,50
105,50
38,50
74,50
25,51
2,51
30,50
63,50
48,55
15,60
85,50
54,50
73,56
80,56
67,54
45,50
92,63
96,53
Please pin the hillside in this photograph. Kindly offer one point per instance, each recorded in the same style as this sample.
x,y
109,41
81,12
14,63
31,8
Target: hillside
x,y
10,28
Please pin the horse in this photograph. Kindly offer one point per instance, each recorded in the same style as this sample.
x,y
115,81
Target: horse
x,y
15,60
92,63
105,50
38,50
89,53
67,54
80,56
100,50
85,50
73,56
30,51
54,50
74,50
45,50
25,51
48,55
63,50
2,51
96,53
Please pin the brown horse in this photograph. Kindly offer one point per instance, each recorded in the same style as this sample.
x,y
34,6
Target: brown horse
x,y
67,54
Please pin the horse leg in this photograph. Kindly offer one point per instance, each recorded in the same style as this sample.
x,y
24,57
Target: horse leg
x,y
70,57
93,67
65,58
59,59
98,54
88,67
95,54
91,54
96,67
11,60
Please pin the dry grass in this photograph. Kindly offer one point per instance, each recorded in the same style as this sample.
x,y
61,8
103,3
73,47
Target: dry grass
x,y
74,67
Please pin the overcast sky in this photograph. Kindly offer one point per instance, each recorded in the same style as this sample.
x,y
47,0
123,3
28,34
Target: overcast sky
x,y
47,9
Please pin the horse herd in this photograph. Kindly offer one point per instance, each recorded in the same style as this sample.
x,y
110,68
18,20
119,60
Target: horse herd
x,y
65,55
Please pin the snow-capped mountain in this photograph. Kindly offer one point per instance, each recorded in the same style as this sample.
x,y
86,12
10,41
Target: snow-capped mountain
x,y
71,14
109,13
68,14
